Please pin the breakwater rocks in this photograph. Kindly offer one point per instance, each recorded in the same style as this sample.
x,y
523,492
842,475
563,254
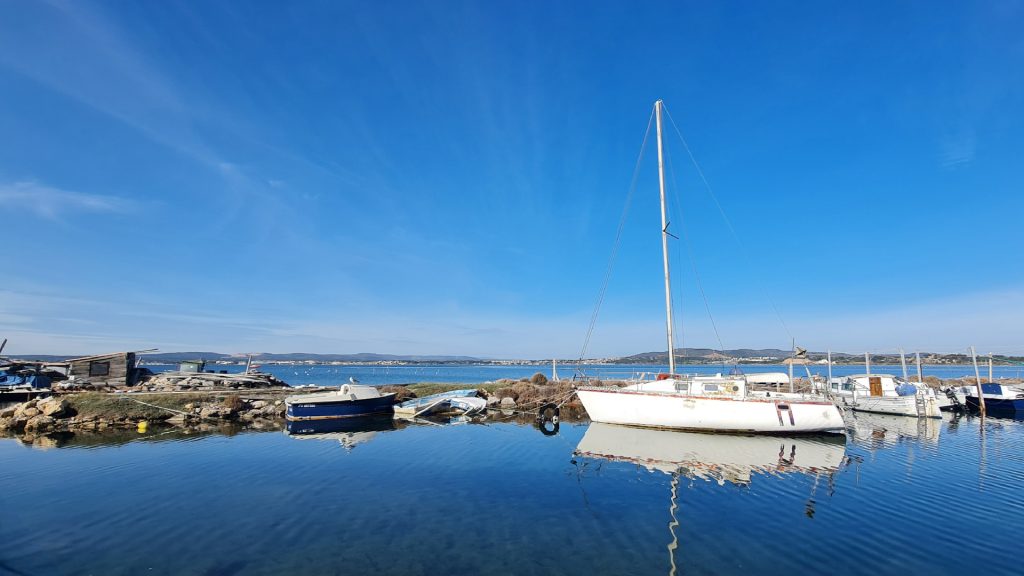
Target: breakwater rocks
x,y
94,411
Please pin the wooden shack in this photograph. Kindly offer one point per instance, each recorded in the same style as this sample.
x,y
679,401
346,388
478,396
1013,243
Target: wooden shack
x,y
115,369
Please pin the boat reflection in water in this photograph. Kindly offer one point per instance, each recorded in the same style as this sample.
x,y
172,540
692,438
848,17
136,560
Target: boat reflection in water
x,y
348,432
718,458
881,430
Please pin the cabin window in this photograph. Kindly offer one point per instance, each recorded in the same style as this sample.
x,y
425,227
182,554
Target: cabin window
x,y
99,368
711,387
847,386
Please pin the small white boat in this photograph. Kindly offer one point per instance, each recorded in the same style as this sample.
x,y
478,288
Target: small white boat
x,y
458,400
886,394
720,404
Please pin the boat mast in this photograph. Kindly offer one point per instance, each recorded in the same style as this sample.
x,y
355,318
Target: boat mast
x,y
903,361
664,246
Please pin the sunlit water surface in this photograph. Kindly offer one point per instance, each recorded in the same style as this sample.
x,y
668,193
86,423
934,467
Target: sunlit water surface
x,y
897,497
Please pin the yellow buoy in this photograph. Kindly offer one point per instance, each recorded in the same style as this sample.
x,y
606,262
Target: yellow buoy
x,y
142,427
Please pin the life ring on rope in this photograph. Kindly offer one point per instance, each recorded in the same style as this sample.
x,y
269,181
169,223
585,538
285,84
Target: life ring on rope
x,y
549,413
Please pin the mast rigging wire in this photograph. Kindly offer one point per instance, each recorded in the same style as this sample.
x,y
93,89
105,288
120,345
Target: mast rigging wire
x,y
693,260
728,223
615,246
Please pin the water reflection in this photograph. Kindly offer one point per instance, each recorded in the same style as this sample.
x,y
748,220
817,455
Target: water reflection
x,y
715,457
882,430
723,459
349,432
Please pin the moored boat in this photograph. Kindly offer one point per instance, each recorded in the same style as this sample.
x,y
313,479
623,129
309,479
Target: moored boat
x,y
886,394
349,401
459,400
721,404
1000,399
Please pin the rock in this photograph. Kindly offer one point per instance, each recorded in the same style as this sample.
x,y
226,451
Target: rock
x,y
30,412
8,412
508,402
39,423
189,407
54,407
258,404
209,412
493,401
6,423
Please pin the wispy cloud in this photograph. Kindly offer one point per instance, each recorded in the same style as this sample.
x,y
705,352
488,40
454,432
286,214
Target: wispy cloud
x,y
50,203
958,151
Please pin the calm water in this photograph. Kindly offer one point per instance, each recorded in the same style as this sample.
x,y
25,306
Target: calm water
x,y
335,375
896,497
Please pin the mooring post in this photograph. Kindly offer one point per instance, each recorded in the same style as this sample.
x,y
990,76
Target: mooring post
x,y
977,379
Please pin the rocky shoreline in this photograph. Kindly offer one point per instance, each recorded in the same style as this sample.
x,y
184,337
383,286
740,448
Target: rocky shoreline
x,y
96,411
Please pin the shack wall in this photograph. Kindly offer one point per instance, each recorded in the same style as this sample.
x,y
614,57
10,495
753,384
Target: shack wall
x,y
111,369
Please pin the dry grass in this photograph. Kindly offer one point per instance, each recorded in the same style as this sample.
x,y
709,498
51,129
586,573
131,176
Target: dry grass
x,y
121,406
233,403
428,388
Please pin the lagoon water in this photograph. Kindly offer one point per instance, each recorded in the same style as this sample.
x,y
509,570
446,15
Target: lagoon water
x,y
895,496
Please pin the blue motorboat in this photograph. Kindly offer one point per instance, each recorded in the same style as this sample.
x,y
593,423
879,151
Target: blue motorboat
x,y
999,399
349,401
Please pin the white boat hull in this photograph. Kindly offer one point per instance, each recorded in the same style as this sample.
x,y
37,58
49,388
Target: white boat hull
x,y
721,414
899,405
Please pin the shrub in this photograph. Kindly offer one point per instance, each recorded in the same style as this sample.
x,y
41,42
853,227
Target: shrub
x,y
539,379
233,403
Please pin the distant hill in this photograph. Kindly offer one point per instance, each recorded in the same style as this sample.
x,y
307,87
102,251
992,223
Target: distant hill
x,y
748,355
704,354
685,355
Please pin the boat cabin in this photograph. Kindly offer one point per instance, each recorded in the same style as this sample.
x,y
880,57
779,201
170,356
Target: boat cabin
x,y
883,385
716,385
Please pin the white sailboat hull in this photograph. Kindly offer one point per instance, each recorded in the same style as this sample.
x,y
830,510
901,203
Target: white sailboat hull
x,y
718,414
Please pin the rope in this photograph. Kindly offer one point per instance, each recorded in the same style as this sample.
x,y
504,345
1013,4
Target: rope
x,y
565,398
173,411
615,246
728,223
693,260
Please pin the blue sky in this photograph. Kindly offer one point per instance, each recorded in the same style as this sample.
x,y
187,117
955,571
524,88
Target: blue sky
x,y
447,177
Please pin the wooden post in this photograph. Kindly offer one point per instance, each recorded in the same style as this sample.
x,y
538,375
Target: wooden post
x,y
792,357
920,376
977,378
828,383
990,379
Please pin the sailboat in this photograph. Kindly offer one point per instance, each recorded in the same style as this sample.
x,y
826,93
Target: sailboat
x,y
723,404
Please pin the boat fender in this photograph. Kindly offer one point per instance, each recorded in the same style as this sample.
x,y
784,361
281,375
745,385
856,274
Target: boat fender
x,y
549,413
